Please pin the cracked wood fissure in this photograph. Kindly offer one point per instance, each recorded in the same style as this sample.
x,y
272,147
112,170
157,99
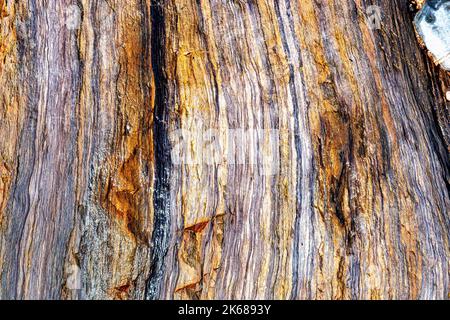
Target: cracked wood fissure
x,y
353,204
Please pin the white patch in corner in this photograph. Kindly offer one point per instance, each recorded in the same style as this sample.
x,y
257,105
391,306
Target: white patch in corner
x,y
433,26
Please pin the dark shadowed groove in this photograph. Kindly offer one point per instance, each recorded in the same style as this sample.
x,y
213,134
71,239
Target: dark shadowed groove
x,y
161,202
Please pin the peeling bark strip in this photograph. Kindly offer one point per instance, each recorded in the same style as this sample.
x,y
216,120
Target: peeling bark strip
x,y
99,201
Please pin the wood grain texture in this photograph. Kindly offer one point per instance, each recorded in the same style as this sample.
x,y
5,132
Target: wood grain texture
x,y
329,176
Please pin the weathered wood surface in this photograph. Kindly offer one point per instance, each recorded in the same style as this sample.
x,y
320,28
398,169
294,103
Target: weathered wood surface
x,y
352,203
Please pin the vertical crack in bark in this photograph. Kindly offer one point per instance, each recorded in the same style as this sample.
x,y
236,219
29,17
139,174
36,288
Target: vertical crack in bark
x,y
160,237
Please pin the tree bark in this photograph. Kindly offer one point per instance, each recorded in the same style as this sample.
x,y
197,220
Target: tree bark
x,y
220,149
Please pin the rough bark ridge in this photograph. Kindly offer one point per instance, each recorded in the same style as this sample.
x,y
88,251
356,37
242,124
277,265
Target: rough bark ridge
x,y
95,176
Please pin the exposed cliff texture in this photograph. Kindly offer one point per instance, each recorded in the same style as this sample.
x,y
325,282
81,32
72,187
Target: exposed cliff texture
x,y
208,149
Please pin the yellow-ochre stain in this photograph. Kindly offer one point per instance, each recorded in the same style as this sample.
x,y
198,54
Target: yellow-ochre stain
x,y
3,12
11,112
188,71
8,36
280,72
190,261
125,174
5,180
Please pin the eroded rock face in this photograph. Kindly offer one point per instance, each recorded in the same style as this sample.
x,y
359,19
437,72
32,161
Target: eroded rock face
x,y
433,27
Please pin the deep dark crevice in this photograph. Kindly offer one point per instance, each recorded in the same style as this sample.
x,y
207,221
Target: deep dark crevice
x,y
161,228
